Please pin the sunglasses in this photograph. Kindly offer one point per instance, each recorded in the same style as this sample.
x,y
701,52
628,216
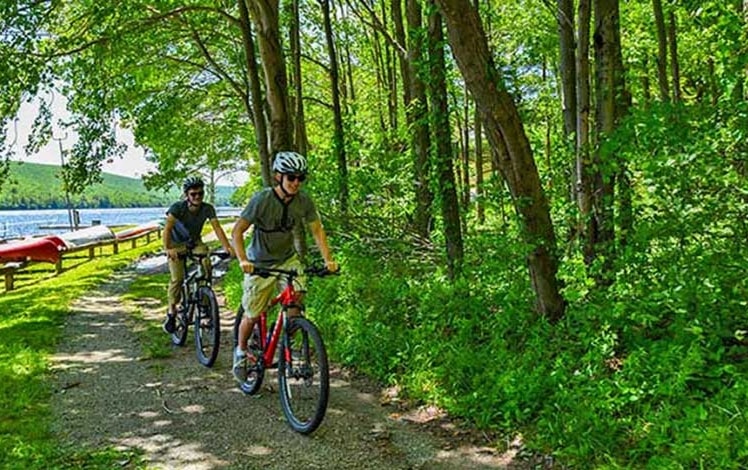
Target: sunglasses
x,y
196,194
292,178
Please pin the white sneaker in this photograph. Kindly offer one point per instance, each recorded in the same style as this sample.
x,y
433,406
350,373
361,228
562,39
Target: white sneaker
x,y
240,365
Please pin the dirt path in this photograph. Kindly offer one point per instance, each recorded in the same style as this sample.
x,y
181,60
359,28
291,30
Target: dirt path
x,y
185,416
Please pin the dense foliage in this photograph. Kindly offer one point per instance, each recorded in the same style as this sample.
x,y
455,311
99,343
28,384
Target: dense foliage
x,y
650,372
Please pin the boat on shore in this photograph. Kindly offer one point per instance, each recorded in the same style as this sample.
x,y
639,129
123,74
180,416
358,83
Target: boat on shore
x,y
45,249
49,248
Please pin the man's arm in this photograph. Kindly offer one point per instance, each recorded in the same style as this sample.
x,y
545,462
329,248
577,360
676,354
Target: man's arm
x,y
171,252
237,236
221,236
320,237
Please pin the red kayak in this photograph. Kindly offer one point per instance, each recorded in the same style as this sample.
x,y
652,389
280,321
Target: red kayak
x,y
34,249
137,231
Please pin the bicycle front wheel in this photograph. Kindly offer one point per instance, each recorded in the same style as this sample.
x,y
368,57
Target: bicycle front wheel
x,y
207,327
303,376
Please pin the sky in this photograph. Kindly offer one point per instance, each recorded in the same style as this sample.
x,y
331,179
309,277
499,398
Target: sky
x,y
132,164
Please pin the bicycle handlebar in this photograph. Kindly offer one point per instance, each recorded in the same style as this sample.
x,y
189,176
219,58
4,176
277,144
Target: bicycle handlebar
x,y
319,271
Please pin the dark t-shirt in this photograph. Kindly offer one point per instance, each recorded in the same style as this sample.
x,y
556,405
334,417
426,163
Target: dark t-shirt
x,y
189,225
274,220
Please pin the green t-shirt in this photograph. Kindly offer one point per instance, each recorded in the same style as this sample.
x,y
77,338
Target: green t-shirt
x,y
189,225
274,221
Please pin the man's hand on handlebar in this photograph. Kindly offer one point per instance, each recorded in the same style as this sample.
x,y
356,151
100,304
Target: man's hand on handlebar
x,y
247,266
332,266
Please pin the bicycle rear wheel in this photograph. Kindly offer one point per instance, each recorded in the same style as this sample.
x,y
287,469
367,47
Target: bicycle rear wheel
x,y
255,372
184,313
303,376
207,327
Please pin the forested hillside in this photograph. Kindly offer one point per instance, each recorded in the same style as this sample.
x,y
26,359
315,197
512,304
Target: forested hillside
x,y
37,186
540,207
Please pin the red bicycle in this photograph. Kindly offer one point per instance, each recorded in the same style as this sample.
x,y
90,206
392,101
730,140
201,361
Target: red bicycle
x,y
303,372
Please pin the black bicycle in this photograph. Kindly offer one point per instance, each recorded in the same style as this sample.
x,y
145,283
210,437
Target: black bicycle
x,y
199,306
303,371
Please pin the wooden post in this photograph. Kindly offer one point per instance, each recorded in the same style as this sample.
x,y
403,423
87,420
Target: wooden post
x,y
9,279
91,252
115,247
58,265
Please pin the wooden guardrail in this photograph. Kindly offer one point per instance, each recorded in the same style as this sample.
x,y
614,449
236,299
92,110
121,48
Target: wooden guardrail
x,y
8,270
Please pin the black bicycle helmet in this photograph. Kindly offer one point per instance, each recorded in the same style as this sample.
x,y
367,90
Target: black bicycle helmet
x,y
290,163
192,182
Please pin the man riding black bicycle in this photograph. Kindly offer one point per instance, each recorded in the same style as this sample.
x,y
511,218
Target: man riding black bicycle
x,y
184,226
274,212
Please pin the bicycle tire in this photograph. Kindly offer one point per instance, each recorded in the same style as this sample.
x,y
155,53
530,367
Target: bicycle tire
x,y
179,337
207,327
303,376
256,372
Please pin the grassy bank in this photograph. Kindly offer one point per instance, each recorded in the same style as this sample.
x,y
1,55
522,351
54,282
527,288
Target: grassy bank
x,y
30,328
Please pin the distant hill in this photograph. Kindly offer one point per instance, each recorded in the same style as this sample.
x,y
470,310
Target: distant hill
x,y
37,186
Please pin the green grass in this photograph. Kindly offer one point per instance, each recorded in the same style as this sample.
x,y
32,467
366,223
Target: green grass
x,y
150,292
30,328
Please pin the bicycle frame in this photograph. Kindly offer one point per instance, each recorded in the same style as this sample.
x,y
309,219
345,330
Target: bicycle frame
x,y
199,306
288,297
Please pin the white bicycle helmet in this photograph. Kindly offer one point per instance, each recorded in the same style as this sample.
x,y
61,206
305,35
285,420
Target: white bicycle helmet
x,y
192,182
290,163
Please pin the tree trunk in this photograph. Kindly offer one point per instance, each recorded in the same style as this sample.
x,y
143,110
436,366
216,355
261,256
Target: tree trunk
x,y
258,117
300,135
479,207
584,165
565,20
397,21
674,58
379,73
264,14
339,135
417,115
610,99
662,78
504,127
646,94
391,75
443,148
466,153
743,84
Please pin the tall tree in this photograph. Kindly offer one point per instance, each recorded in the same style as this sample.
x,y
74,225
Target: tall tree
x,y
662,78
300,134
339,134
442,148
674,63
504,128
265,16
417,116
567,46
255,107
612,104
584,168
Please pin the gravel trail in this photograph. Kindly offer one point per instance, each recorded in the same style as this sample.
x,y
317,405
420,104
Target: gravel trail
x,y
182,415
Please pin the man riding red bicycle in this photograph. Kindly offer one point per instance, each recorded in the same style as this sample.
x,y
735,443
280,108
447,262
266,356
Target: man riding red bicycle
x,y
274,212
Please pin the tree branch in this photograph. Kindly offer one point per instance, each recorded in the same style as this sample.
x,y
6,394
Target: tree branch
x,y
377,25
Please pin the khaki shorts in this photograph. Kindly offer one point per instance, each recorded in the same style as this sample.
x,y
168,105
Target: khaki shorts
x,y
259,291
176,269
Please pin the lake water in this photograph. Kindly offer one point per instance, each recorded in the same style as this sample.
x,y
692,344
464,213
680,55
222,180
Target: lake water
x,y
19,223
